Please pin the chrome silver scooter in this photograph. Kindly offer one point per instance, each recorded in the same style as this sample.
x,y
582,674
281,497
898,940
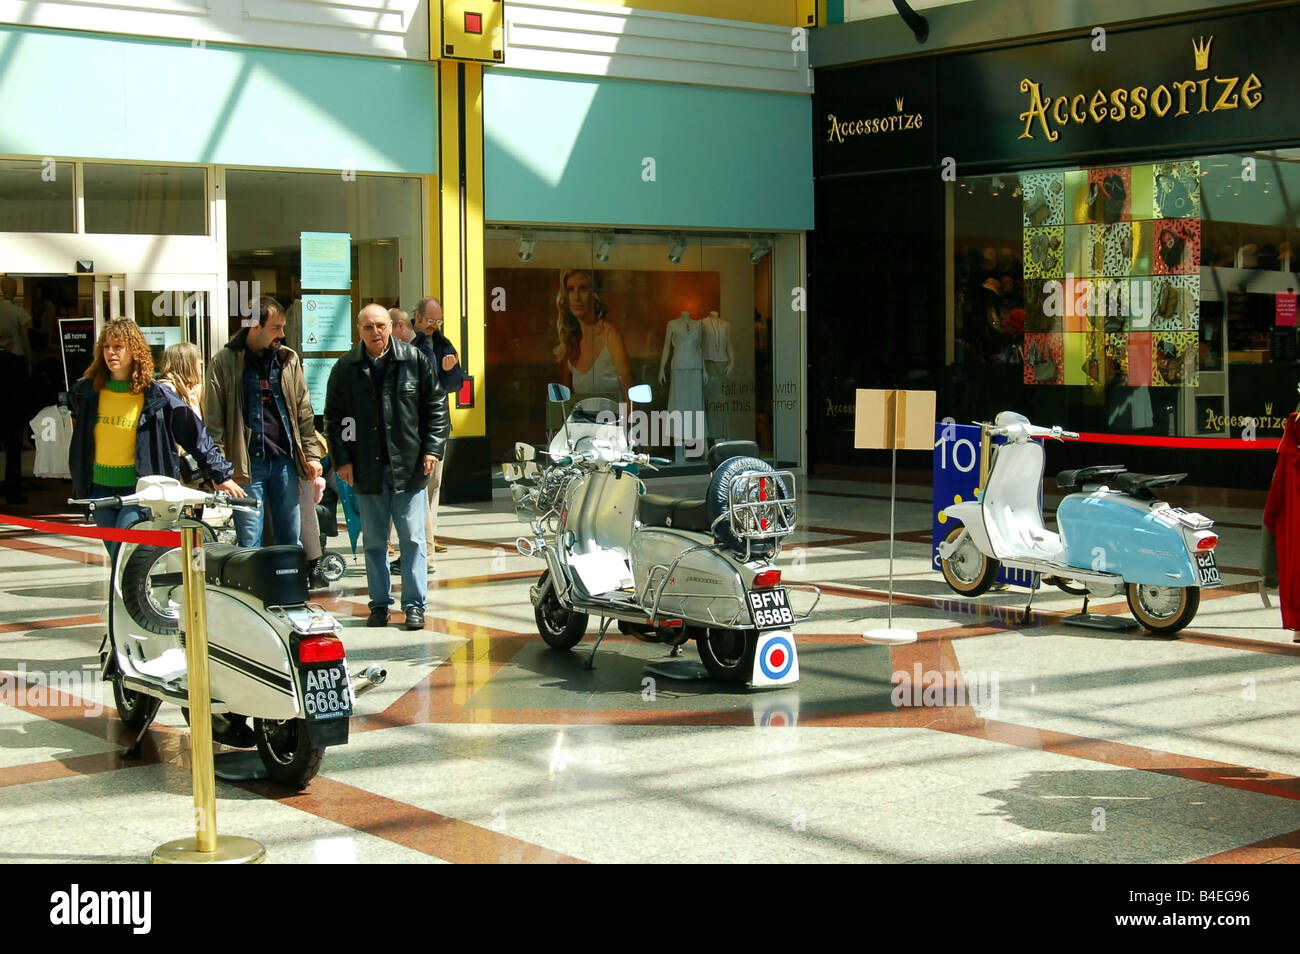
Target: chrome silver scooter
x,y
681,568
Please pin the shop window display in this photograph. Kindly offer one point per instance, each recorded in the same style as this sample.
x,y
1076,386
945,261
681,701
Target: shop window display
x,y
689,316
1129,298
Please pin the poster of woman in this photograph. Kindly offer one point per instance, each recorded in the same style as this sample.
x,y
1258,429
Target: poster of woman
x,y
598,331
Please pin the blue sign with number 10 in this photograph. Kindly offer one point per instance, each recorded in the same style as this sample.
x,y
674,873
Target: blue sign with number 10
x,y
957,478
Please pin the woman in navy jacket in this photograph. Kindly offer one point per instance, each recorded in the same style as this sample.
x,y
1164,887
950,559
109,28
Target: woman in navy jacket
x,y
164,422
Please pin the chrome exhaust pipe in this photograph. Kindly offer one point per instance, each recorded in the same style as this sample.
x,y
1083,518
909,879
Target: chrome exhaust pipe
x,y
370,677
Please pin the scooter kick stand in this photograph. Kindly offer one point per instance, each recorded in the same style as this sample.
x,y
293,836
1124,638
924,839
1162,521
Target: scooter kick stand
x,y
1028,614
133,752
604,628
1112,624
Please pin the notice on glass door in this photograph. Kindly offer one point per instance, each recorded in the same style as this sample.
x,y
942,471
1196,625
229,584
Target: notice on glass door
x,y
326,260
326,323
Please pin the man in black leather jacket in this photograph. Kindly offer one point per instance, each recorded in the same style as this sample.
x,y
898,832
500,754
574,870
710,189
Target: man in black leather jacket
x,y
387,423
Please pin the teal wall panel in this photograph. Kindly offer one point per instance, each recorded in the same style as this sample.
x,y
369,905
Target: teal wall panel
x,y
73,94
570,149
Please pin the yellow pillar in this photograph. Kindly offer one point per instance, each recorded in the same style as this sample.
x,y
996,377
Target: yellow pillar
x,y
460,218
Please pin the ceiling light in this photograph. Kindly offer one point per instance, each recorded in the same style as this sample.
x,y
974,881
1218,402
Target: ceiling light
x,y
676,247
524,246
604,246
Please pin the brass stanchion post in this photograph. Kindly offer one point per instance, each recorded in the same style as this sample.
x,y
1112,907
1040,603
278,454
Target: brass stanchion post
x,y
205,847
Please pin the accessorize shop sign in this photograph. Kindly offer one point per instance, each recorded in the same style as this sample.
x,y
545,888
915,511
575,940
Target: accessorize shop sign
x,y
899,122
1128,92
1182,97
877,118
1125,93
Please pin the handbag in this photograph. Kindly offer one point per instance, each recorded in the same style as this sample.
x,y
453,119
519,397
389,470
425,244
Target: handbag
x,y
191,472
1044,366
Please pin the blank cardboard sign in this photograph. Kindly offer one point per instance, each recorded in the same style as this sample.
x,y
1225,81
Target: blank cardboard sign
x,y
903,420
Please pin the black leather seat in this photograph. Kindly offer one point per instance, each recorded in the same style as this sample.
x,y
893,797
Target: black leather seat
x,y
215,556
275,575
1139,485
1075,479
680,513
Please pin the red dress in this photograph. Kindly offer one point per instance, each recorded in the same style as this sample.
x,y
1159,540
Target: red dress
x,y
1282,517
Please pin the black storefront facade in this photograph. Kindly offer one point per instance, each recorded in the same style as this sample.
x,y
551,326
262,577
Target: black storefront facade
x,y
1099,230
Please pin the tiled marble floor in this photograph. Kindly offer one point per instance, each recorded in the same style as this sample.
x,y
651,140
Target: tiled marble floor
x,y
484,745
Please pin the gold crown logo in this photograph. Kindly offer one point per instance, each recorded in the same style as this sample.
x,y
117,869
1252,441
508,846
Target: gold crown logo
x,y
1201,49
1268,408
899,103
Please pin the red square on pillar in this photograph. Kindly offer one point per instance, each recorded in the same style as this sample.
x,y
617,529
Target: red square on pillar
x,y
473,23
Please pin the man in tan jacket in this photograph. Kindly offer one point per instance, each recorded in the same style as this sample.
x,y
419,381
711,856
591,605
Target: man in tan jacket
x,y
258,411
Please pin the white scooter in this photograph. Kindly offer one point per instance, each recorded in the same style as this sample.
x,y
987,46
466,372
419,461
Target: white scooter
x,y
273,656
1113,535
677,568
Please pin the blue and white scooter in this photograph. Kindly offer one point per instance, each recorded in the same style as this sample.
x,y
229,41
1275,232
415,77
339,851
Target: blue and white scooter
x,y
1113,534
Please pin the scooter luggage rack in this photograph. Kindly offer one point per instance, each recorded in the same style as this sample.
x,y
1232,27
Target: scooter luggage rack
x,y
320,622
753,515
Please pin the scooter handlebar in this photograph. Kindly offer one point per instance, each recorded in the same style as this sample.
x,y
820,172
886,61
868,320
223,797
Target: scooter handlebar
x,y
220,499
92,502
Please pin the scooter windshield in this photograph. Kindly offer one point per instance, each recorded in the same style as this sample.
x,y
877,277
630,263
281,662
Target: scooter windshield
x,y
591,420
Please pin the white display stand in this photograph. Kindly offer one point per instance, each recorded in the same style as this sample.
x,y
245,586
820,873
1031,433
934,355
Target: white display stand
x,y
893,419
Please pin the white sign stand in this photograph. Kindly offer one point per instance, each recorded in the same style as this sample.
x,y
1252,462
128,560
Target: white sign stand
x,y
883,420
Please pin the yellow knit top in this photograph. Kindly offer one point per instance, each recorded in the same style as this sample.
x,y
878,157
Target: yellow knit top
x,y
119,413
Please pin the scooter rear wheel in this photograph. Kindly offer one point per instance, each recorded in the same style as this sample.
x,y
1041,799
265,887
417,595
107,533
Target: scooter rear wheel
x,y
287,752
1163,609
728,654
968,571
560,627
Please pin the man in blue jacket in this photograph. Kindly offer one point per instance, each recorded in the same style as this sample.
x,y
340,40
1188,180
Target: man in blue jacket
x,y
429,338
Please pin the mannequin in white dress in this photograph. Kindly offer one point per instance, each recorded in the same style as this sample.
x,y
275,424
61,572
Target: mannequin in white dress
x,y
719,360
683,339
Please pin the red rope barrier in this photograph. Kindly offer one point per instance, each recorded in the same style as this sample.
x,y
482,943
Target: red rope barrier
x,y
160,538
1193,443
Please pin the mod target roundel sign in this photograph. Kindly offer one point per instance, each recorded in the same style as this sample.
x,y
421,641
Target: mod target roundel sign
x,y
775,661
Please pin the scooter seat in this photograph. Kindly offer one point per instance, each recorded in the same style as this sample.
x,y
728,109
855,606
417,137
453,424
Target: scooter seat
x,y
1139,485
680,513
275,575
1075,479
215,556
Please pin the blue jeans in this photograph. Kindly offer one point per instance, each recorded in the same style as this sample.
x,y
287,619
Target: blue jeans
x,y
275,483
118,517
407,513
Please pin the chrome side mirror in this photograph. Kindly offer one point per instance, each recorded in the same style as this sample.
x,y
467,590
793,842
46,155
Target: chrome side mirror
x,y
557,393
524,452
512,472
640,394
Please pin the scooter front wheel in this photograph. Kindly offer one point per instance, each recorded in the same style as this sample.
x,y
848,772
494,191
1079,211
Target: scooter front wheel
x,y
1163,609
562,628
968,571
135,709
287,752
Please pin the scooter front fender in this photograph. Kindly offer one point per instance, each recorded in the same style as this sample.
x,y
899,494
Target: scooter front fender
x,y
970,514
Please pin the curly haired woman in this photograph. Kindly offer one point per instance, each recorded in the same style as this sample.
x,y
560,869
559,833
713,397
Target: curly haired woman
x,y
127,426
